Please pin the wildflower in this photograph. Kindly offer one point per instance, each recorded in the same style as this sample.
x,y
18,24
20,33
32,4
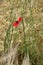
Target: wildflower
x,y
16,23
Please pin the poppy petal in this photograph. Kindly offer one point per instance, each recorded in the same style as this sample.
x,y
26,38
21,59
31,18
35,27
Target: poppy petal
x,y
15,24
19,19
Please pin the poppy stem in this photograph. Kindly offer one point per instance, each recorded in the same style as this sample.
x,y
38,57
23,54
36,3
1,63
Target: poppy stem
x,y
24,31
24,43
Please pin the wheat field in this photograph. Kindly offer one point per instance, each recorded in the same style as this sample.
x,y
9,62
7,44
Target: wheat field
x,y
22,45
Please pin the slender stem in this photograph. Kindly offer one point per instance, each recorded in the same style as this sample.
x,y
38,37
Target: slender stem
x,y
24,32
25,43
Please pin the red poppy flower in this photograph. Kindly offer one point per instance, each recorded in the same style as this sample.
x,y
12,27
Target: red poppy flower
x,y
16,23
